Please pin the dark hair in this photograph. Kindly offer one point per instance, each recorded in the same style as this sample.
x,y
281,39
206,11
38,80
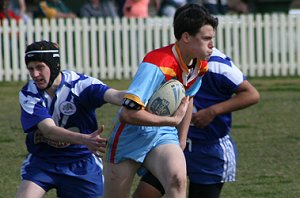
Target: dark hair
x,y
190,18
47,52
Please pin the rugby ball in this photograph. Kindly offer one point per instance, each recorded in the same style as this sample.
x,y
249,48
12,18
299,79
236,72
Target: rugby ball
x,y
166,99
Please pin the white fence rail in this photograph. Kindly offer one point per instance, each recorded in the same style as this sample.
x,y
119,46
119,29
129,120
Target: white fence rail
x,y
262,45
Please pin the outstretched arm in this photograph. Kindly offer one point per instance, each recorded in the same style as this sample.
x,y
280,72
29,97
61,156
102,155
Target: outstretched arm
x,y
114,96
92,141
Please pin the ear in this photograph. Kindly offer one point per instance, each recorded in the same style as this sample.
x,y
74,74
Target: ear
x,y
185,37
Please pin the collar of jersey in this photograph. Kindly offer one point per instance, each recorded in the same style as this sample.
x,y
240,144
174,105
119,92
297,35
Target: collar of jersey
x,y
178,56
184,68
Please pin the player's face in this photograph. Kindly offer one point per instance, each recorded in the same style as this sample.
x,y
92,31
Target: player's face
x,y
40,73
202,44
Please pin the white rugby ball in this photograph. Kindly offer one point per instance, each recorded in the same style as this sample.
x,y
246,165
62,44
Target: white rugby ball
x,y
166,99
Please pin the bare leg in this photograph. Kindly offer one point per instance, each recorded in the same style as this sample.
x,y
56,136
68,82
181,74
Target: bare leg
x,y
118,178
167,163
29,189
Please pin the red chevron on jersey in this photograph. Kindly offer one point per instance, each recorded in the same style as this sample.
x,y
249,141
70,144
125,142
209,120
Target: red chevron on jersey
x,y
169,60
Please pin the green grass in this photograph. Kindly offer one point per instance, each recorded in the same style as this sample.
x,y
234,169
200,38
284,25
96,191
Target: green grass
x,y
267,137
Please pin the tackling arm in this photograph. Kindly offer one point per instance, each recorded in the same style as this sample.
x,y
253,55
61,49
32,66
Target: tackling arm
x,y
93,141
114,96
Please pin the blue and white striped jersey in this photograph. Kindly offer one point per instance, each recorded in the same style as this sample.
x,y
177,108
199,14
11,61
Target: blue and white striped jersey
x,y
73,108
218,84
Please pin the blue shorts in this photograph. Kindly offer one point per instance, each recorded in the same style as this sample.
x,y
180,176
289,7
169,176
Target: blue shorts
x,y
137,141
82,178
211,163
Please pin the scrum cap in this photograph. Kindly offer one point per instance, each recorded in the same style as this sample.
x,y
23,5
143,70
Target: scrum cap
x,y
47,52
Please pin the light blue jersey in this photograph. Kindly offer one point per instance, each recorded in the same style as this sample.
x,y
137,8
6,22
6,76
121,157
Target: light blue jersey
x,y
132,141
135,142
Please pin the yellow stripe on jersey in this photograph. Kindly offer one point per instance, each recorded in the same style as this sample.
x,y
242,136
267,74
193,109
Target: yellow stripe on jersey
x,y
135,99
168,71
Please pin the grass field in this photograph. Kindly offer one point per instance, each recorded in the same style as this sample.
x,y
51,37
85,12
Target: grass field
x,y
267,137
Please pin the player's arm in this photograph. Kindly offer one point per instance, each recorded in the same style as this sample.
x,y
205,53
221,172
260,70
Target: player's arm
x,y
93,141
183,127
132,113
245,96
114,96
147,80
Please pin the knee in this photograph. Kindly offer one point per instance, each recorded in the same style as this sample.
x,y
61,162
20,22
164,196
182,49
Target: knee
x,y
178,182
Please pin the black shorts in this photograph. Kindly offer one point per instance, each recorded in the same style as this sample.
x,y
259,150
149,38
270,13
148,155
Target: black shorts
x,y
153,181
205,190
195,190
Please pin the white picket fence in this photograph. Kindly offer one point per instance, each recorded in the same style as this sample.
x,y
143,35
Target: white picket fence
x,y
261,45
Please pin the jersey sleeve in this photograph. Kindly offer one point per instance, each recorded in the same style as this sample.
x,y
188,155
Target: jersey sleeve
x,y
33,111
93,91
225,72
145,82
232,78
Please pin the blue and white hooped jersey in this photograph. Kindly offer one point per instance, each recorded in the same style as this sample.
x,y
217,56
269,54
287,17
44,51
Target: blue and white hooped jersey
x,y
218,84
73,108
